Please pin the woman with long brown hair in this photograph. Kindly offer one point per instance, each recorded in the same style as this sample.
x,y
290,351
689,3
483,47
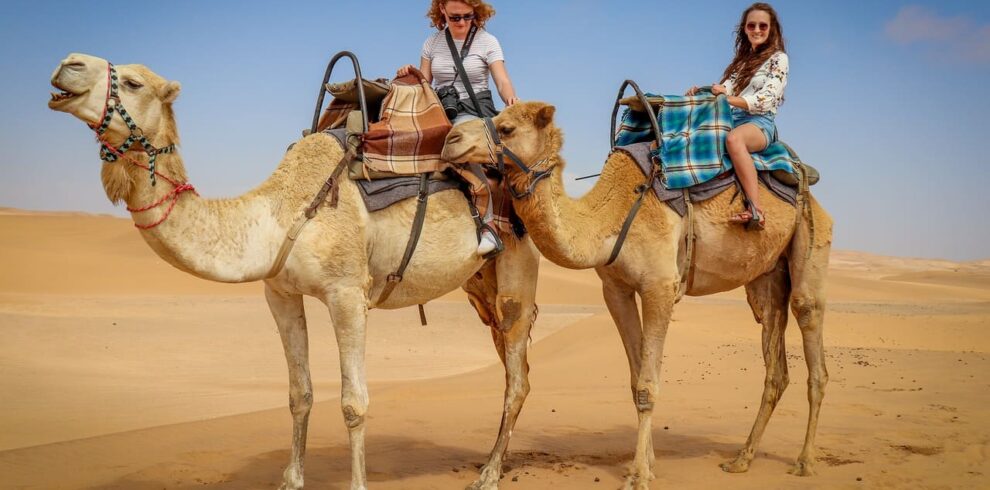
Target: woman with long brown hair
x,y
754,83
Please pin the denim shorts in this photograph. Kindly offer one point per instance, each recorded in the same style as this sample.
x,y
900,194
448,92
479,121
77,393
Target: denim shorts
x,y
762,121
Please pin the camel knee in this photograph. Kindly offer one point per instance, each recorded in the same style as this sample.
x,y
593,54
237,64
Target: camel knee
x,y
643,398
353,415
510,310
301,402
804,308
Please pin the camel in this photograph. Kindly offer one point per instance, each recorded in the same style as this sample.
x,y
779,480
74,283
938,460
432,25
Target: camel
x,y
776,265
342,257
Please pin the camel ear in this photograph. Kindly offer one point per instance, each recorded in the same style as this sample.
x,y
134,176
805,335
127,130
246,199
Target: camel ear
x,y
544,116
170,92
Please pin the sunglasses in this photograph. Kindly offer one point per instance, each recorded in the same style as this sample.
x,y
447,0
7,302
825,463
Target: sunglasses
x,y
753,26
458,18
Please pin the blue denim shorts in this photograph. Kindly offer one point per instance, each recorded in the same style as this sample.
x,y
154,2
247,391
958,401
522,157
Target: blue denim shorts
x,y
762,121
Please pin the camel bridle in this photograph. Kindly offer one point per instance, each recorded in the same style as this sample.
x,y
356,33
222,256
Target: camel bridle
x,y
499,152
109,153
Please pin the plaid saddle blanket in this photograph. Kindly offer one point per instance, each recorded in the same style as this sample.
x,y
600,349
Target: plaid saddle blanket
x,y
692,146
410,134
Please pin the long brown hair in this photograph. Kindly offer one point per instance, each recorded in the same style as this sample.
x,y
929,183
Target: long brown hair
x,y
482,12
747,60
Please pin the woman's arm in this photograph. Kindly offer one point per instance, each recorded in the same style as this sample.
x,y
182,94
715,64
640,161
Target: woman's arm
x,y
734,101
503,83
424,68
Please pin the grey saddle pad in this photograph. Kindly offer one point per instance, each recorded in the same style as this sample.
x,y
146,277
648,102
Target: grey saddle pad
x,y
640,153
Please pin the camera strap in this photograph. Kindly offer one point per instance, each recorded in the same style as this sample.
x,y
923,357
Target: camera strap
x,y
460,65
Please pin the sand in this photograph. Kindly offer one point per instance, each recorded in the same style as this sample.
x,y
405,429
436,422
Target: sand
x,y
118,371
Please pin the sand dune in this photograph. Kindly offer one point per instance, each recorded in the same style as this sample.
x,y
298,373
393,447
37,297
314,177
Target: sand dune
x,y
118,371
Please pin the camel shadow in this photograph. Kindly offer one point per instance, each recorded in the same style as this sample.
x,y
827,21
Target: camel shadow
x,y
391,458
388,458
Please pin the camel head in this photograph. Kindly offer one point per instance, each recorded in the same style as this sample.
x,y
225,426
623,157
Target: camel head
x,y
83,82
526,129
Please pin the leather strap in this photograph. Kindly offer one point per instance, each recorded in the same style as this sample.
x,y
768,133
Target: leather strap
x,y
460,65
331,187
395,278
686,265
642,190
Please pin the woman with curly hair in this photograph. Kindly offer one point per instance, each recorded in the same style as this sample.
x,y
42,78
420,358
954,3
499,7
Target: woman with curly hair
x,y
754,83
481,56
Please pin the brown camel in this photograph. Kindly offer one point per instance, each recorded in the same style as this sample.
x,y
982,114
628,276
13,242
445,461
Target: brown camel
x,y
342,257
777,265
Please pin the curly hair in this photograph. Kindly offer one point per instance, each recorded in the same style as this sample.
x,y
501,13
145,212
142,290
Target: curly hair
x,y
482,11
747,60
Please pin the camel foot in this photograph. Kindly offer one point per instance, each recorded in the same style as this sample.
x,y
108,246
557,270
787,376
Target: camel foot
x,y
802,468
634,482
487,481
738,465
292,478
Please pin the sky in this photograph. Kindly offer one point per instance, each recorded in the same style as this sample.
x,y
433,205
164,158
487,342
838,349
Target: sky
x,y
887,99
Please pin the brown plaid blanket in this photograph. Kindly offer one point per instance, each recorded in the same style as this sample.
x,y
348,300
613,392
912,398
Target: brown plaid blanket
x,y
409,136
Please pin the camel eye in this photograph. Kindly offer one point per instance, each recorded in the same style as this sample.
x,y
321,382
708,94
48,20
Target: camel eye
x,y
506,130
131,84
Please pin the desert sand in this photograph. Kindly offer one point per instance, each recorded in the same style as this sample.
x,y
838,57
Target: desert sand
x,y
118,371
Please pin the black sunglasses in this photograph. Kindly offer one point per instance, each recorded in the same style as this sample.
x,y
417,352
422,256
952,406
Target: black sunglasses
x,y
458,18
752,26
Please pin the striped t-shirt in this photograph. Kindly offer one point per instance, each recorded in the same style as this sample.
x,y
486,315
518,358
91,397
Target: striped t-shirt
x,y
484,51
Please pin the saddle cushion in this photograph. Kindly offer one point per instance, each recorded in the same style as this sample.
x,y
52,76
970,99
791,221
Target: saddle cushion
x,y
693,131
410,134
640,153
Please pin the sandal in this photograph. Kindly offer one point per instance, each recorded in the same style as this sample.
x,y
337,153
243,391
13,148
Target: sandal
x,y
753,218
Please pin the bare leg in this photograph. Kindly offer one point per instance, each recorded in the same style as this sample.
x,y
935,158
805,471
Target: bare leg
x,y
349,312
740,143
808,305
291,321
658,301
515,312
768,298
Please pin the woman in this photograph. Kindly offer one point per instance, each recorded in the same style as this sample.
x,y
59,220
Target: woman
x,y
465,20
754,83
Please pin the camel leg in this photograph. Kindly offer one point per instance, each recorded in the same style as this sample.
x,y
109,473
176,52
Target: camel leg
x,y
621,302
658,302
291,321
349,312
767,296
808,306
515,311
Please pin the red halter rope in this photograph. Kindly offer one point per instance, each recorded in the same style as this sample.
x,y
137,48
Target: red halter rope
x,y
109,153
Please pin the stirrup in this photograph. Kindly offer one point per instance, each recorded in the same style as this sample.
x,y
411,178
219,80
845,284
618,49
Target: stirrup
x,y
499,246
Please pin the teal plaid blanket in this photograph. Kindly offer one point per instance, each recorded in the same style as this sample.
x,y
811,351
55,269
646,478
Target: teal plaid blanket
x,y
693,131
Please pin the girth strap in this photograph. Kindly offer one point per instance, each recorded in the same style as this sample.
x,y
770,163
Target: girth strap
x,y
331,187
642,189
395,278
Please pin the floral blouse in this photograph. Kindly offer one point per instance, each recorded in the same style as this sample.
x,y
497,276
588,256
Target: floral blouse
x,y
765,91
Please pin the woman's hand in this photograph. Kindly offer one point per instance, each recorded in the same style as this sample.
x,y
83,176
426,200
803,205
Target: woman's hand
x,y
403,71
691,91
718,89
511,100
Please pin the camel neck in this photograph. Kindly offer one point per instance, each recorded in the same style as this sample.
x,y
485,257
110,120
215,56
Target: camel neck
x,y
225,240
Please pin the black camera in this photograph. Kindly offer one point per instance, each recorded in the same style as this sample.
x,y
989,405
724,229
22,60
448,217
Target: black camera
x,y
449,100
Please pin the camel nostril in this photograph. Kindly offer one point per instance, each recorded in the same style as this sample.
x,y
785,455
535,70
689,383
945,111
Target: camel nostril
x,y
453,137
74,65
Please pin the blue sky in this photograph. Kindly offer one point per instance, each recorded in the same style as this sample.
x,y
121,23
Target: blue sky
x,y
886,98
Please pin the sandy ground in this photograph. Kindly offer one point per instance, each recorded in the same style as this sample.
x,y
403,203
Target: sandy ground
x,y
117,371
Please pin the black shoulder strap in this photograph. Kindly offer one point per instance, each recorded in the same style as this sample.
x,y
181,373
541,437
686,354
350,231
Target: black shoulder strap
x,y
460,65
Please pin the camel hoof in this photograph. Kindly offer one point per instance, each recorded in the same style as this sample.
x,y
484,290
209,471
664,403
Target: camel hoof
x,y
292,479
487,481
738,465
802,468
637,482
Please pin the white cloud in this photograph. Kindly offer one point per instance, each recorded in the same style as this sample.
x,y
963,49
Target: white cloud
x,y
964,39
917,24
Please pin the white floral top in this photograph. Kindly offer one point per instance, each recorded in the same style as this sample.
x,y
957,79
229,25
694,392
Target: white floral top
x,y
765,91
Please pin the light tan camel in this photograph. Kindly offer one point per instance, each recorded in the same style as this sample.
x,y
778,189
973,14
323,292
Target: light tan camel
x,y
580,234
342,257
